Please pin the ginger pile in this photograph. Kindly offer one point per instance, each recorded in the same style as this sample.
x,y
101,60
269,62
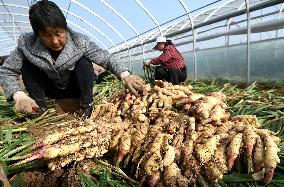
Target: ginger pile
x,y
172,136
70,141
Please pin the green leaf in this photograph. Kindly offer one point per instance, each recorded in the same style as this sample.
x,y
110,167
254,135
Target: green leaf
x,y
279,180
235,177
5,167
19,180
86,181
8,135
103,179
1,135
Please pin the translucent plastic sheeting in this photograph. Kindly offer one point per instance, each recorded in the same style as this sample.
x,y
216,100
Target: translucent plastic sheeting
x,y
229,63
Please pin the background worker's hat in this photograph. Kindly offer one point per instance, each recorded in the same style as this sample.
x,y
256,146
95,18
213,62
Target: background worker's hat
x,y
160,39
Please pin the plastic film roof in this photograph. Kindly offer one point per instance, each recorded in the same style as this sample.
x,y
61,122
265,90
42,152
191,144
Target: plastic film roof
x,y
121,24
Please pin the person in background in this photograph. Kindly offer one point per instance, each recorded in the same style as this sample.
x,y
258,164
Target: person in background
x,y
171,63
56,62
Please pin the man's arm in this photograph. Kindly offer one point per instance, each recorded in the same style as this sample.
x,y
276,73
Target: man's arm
x,y
105,59
9,73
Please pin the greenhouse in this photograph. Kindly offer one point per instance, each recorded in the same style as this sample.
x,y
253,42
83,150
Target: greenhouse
x,y
141,93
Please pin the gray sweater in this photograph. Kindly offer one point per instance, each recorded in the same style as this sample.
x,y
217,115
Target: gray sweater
x,y
31,48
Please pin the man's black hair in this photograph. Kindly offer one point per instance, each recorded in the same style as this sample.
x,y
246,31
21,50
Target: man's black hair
x,y
44,14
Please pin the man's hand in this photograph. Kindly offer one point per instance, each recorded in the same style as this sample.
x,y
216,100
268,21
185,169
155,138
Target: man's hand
x,y
133,82
24,104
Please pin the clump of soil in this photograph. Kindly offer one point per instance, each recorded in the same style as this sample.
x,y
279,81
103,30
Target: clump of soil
x,y
59,178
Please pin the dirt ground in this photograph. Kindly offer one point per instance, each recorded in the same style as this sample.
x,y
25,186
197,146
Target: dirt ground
x,y
66,177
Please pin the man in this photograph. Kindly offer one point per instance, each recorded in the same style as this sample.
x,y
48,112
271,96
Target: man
x,y
55,62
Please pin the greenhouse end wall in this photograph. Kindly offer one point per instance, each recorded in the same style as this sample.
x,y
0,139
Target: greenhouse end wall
x,y
230,63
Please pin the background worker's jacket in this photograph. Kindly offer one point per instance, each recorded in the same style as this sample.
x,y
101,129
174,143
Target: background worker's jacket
x,y
170,58
32,48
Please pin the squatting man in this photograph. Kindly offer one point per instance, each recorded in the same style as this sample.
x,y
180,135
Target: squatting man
x,y
56,62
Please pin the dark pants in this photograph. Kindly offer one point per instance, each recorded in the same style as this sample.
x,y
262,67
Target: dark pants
x,y
40,86
173,75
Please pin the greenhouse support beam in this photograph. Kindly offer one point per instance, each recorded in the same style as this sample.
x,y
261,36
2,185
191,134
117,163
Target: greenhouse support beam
x,y
102,19
150,15
84,30
232,14
248,41
255,28
194,38
123,19
218,19
89,24
9,12
279,16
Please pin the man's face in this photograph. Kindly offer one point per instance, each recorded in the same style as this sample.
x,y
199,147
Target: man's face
x,y
54,38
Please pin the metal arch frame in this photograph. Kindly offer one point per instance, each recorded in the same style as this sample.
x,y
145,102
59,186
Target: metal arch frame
x,y
76,16
89,24
11,26
248,40
279,16
193,36
150,15
98,16
227,15
117,49
168,28
120,16
26,22
125,21
227,37
13,5
67,21
15,14
196,16
13,19
71,13
148,35
84,30
102,19
4,4
213,12
153,33
229,21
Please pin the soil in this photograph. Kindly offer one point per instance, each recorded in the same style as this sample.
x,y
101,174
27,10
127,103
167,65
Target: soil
x,y
59,178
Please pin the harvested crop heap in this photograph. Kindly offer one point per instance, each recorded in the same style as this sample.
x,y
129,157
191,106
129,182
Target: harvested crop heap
x,y
170,136
69,141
